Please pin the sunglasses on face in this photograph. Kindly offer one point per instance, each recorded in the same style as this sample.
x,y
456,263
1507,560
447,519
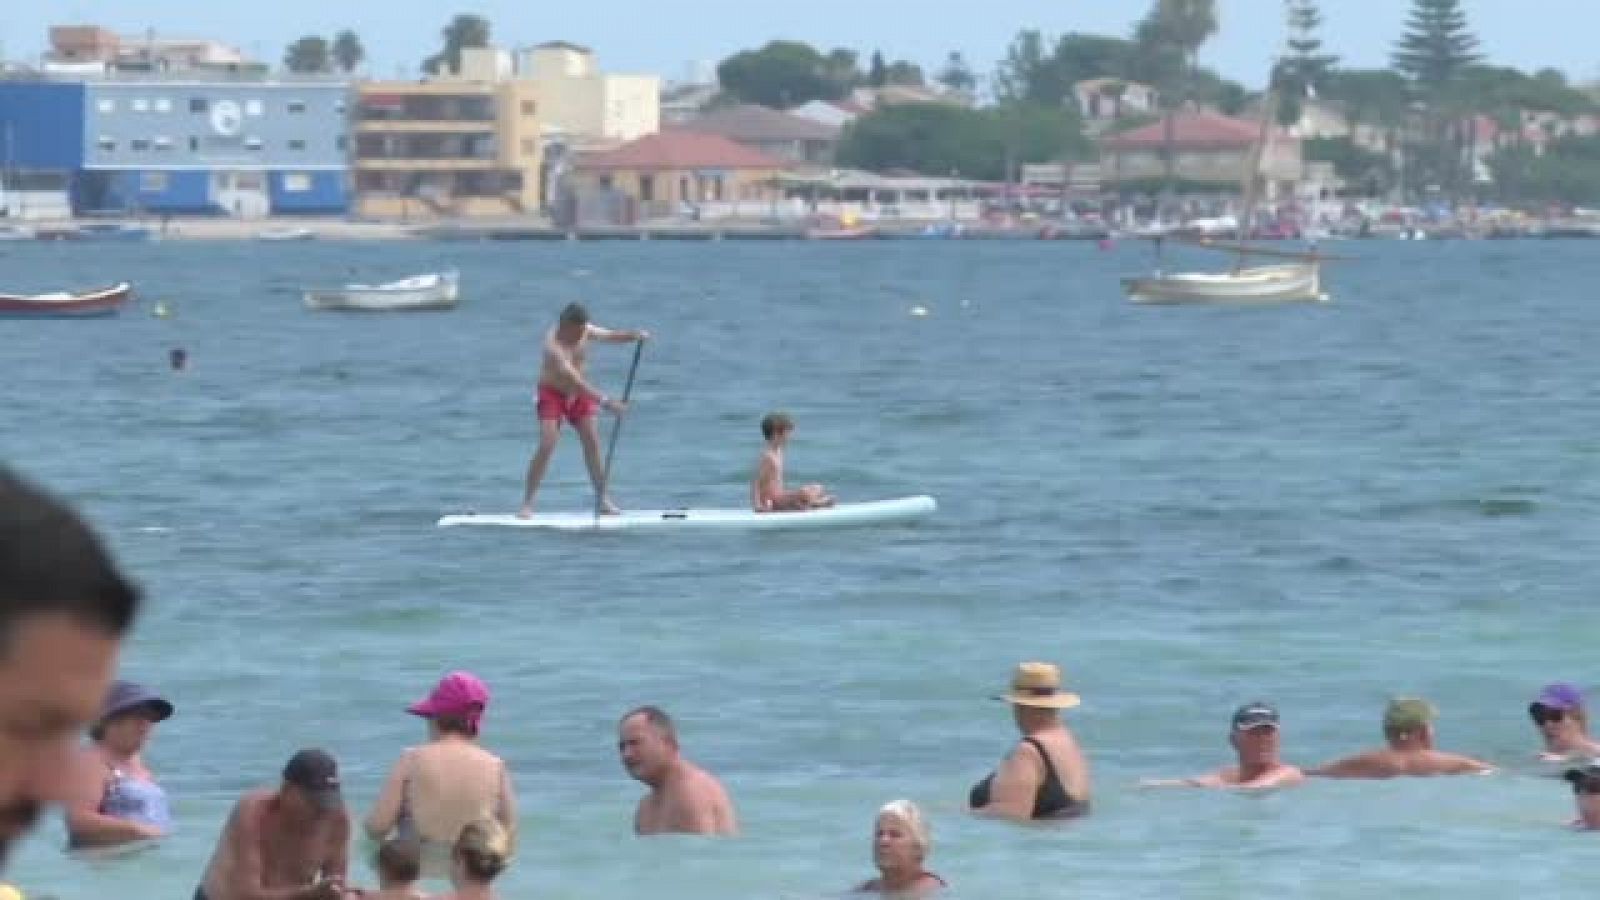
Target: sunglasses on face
x,y
1543,715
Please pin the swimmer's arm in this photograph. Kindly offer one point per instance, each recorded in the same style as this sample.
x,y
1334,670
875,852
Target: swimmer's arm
x,y
247,873
1213,779
1359,766
85,823
558,354
386,810
506,809
337,868
1466,765
1015,782
1283,776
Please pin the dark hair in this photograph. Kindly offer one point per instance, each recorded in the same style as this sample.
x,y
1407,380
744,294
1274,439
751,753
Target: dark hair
x,y
658,720
773,423
400,859
454,724
574,314
51,562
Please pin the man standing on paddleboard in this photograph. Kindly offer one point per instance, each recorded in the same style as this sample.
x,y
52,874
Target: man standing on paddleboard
x,y
565,394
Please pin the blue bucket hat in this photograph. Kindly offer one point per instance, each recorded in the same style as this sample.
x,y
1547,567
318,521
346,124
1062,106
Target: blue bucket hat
x,y
127,696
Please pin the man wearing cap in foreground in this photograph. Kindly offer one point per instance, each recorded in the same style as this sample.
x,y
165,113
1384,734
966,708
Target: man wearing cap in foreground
x,y
1559,716
1254,736
1408,727
1586,792
285,843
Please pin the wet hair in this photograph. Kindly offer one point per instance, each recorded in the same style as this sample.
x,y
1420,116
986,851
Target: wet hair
x,y
574,314
51,562
774,423
400,860
483,848
454,724
658,719
910,815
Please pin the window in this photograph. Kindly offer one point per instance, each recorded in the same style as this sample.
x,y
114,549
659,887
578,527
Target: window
x,y
163,143
529,107
163,104
296,182
152,182
338,107
252,143
297,106
138,145
529,146
252,107
141,104
106,144
198,105
194,144
647,188
107,105
342,143
297,144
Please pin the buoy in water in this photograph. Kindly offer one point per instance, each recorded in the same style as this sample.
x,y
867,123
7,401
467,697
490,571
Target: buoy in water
x,y
179,358
160,312
919,311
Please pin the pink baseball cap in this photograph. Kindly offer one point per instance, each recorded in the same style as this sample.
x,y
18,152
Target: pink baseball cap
x,y
457,694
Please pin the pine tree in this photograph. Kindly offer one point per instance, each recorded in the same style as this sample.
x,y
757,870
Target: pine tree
x,y
878,75
1304,71
1436,46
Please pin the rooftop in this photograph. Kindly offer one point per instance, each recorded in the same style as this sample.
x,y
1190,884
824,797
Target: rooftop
x,y
1194,130
675,150
759,124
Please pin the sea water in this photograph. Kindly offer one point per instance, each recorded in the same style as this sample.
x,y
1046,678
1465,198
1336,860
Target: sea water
x,y
1320,506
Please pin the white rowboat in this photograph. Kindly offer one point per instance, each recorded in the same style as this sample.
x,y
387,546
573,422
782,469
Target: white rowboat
x,y
436,290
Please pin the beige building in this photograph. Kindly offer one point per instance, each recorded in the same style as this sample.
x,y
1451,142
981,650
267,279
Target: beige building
x,y
464,144
662,174
1210,152
580,104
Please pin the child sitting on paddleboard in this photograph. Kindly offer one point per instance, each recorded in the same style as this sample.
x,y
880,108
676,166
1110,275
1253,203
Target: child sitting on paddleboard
x,y
767,493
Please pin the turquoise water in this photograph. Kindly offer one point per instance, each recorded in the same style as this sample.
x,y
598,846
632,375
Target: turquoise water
x,y
1186,508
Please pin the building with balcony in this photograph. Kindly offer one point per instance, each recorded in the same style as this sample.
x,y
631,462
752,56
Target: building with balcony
x,y
579,104
171,145
668,174
465,144
91,50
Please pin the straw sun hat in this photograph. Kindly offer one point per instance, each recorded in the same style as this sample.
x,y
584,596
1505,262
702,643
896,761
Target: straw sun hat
x,y
1038,684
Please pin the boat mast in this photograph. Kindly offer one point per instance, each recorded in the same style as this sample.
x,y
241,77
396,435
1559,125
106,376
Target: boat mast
x,y
1252,172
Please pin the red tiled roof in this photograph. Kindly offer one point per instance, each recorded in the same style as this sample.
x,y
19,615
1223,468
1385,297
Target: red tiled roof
x,y
752,124
1189,129
677,149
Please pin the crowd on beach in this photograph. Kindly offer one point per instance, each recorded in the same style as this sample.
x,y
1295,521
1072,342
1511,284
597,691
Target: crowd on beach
x,y
72,736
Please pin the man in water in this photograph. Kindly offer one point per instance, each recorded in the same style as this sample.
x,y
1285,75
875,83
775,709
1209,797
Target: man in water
x,y
1408,729
285,843
565,394
1254,736
767,493
683,798
64,609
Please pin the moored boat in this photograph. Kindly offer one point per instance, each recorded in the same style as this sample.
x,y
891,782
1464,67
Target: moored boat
x,y
435,290
106,301
286,234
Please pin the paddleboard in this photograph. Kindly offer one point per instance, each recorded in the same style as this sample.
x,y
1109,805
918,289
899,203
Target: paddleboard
x,y
897,510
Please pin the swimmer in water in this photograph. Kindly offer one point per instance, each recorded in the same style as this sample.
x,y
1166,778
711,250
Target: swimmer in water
x,y
179,359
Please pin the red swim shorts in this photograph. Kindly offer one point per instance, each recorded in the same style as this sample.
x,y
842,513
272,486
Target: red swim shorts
x,y
555,406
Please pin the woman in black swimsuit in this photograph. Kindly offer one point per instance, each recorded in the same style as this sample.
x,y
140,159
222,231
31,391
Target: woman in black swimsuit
x,y
1046,775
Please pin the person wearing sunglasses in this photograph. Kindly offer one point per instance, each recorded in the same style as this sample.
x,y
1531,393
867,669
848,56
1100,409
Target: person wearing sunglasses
x,y
1559,716
1586,792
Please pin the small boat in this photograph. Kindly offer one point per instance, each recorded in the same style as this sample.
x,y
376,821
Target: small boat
x,y
124,231
286,234
90,304
435,290
16,233
1286,283
841,233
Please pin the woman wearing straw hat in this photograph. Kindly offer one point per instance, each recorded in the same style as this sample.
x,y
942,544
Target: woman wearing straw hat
x,y
1046,775
116,800
436,789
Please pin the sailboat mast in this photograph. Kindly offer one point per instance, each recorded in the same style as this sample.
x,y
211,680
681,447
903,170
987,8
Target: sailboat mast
x,y
1252,172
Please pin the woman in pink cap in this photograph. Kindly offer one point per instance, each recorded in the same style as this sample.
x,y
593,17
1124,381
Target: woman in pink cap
x,y
437,788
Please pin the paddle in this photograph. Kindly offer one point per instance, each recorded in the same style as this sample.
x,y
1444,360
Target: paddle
x,y
605,474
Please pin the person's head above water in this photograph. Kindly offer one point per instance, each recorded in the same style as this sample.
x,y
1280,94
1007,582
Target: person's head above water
x,y
574,320
1408,721
776,423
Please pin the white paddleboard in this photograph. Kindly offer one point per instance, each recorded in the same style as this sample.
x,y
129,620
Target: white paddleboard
x,y
896,510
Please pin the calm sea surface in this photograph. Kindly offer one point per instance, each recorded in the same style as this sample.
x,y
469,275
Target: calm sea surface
x,y
1187,509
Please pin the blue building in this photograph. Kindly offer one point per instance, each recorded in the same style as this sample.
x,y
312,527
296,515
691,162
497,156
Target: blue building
x,y
169,146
